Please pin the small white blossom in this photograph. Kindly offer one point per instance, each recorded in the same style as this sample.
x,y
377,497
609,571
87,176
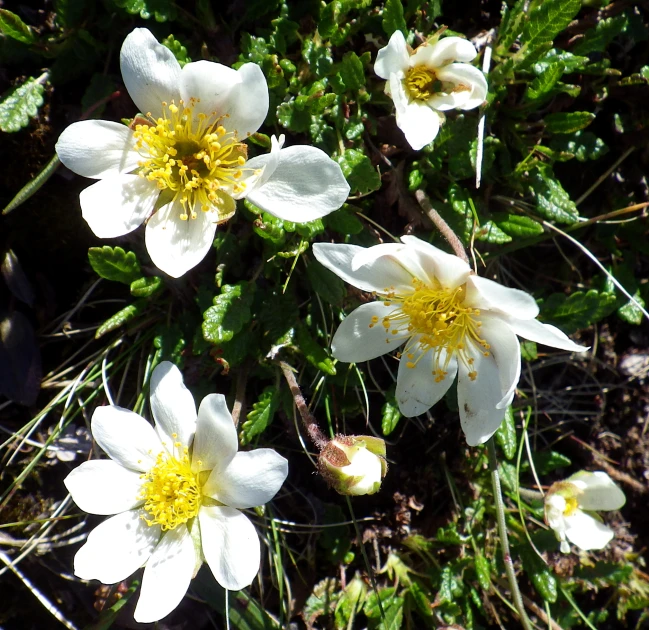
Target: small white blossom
x,y
568,505
183,163
175,490
451,321
428,81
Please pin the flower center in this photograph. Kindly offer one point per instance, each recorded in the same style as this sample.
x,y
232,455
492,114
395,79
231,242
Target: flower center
x,y
421,83
571,506
192,157
171,492
441,321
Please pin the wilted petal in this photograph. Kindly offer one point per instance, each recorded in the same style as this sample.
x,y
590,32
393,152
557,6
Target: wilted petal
x,y
355,341
543,333
118,204
489,295
116,548
98,148
393,58
230,545
252,478
417,390
104,487
587,532
167,576
598,491
215,442
150,71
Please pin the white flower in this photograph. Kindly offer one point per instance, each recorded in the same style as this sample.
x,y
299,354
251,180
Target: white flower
x,y
567,507
353,464
175,490
184,164
451,321
428,81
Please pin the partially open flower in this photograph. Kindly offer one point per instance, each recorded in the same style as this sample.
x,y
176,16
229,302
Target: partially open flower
x,y
353,464
183,163
569,505
175,491
427,81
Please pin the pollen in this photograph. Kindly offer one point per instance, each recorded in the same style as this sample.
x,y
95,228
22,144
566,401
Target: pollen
x,y
192,159
171,492
421,83
571,506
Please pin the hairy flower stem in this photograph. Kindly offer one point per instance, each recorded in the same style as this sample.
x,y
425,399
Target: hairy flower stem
x,y
308,419
441,225
502,531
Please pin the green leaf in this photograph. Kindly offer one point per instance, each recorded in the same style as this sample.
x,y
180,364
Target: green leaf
x,y
547,461
314,353
450,586
584,145
352,73
482,571
552,201
113,263
161,10
146,287
544,581
490,232
547,20
390,414
179,51
529,351
121,317
579,310
393,19
571,63
344,221
108,615
508,475
261,414
359,172
512,24
12,26
506,434
567,122
543,84
392,608
19,104
325,283
516,225
69,12
630,313
98,90
602,34
230,313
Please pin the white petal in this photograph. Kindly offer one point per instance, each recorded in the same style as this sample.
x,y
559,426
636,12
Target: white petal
x,y
546,334
177,246
506,351
472,82
266,163
385,272
150,71
172,405
230,545
393,58
102,486
126,437
215,442
116,548
489,295
98,148
166,576
478,399
587,532
420,124
355,341
118,204
598,491
417,389
306,185
239,95
252,478
445,51
447,269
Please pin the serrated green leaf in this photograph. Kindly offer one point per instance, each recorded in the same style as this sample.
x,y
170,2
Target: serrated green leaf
x,y
179,51
570,62
393,19
512,23
490,232
359,172
352,73
344,221
543,84
120,318
506,434
318,57
529,351
602,34
309,230
508,475
230,313
12,26
390,414
547,461
482,571
293,119
392,606
419,596
517,225
584,145
630,312
547,20
449,587
579,310
567,122
552,201
261,414
113,263
314,353
19,104
146,287
544,581
161,10
325,283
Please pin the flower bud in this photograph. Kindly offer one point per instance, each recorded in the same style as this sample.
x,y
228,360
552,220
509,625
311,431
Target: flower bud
x,y
353,464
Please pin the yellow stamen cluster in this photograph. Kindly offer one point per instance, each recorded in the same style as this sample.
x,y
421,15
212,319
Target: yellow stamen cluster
x,y
421,83
171,492
192,157
571,506
441,321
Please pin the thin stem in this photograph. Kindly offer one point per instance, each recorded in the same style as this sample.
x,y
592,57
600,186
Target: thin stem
x,y
240,396
308,419
504,540
441,225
